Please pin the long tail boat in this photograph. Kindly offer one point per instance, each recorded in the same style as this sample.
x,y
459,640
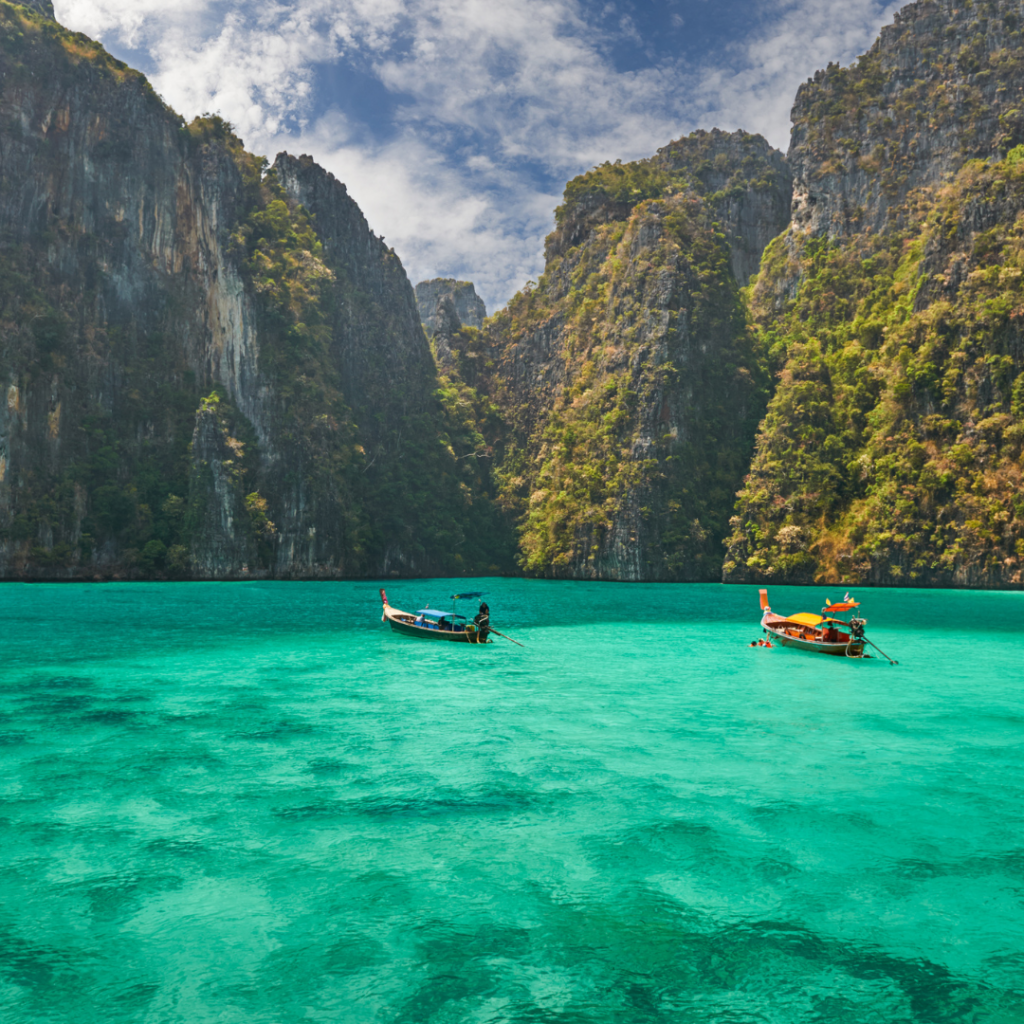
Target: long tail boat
x,y
822,633
431,624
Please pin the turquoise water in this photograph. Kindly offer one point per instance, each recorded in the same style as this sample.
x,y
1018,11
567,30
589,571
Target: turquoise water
x,y
254,803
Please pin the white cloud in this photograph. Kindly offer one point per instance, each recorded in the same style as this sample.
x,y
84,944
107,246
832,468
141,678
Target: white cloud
x,y
492,99
755,89
443,225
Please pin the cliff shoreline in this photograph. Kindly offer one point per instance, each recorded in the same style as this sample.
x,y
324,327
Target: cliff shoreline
x,y
738,366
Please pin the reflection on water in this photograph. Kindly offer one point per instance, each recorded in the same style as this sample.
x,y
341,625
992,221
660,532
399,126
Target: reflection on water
x,y
253,803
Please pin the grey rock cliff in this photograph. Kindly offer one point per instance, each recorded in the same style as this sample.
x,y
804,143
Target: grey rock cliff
x,y
166,410
376,340
113,221
627,374
931,93
747,181
467,305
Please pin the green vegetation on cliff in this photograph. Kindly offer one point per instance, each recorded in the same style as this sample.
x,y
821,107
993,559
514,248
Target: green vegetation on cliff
x,y
615,433
892,449
628,376
180,382
118,467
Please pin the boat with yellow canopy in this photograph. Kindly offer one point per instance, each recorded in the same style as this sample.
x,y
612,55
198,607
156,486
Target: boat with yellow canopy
x,y
824,633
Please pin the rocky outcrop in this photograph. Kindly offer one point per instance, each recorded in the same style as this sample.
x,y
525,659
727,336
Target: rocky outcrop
x,y
150,268
221,531
43,7
941,85
748,183
740,176
116,290
376,335
210,367
890,452
433,299
628,375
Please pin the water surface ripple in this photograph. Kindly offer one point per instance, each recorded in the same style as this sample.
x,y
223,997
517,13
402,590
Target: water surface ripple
x,y
253,803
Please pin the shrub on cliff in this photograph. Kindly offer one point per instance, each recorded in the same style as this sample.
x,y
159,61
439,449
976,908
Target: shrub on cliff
x,y
894,438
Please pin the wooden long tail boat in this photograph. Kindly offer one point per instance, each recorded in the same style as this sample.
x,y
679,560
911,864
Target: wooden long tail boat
x,y
431,624
822,633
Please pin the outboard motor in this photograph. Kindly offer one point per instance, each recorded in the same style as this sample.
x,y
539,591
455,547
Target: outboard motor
x,y
857,628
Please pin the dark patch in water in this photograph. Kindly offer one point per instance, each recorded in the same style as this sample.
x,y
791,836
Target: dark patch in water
x,y
306,965
283,729
442,804
114,895
313,812
38,965
440,943
438,805
912,868
1009,863
110,716
187,848
56,704
57,683
771,870
328,768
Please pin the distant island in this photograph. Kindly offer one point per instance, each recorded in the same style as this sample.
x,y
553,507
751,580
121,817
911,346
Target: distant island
x,y
737,365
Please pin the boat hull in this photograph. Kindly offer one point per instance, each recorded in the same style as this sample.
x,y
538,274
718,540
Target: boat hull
x,y
851,649
423,633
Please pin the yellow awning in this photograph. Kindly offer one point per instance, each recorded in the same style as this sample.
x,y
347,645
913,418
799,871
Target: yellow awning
x,y
804,618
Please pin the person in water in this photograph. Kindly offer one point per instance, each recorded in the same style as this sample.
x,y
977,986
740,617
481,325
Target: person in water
x,y
483,621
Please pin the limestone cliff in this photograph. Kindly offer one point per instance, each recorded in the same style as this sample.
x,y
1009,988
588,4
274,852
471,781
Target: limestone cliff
x,y
629,381
943,84
211,367
891,449
434,297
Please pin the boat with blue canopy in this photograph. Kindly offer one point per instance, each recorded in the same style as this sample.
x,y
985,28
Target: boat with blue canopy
x,y
432,624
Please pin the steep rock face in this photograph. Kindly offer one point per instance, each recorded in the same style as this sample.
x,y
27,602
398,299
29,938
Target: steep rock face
x,y
430,509
376,339
220,526
628,376
739,175
446,327
461,295
748,183
891,450
943,84
145,264
115,293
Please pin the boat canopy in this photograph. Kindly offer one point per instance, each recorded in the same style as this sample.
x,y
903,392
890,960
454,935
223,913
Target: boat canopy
x,y
842,606
805,619
433,613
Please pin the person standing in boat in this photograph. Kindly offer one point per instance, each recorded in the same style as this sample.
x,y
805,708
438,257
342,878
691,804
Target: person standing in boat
x,y
483,621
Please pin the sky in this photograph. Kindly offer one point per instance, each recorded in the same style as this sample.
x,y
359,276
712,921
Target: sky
x,y
455,124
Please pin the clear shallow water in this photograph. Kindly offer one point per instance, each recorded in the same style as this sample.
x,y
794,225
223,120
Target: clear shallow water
x,y
254,803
